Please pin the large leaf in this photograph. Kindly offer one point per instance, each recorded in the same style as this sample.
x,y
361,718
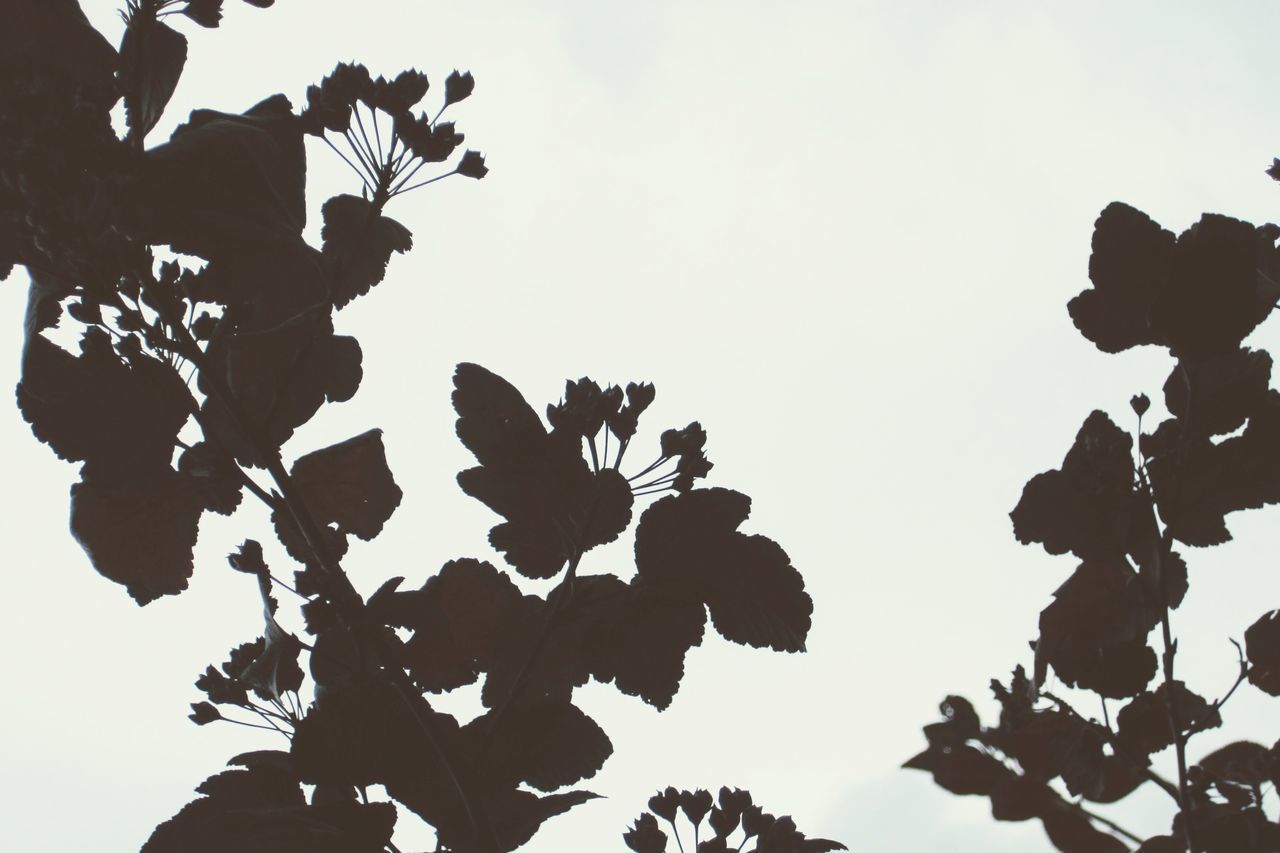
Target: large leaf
x,y
1197,483
225,182
544,742
280,376
95,407
261,809
139,531
688,545
358,243
1199,295
1094,633
1085,506
555,506
464,619
349,485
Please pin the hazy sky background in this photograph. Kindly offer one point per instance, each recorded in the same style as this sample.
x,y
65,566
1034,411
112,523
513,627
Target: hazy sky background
x,y
842,235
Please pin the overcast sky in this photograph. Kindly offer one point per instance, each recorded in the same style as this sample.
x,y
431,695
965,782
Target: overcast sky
x,y
842,236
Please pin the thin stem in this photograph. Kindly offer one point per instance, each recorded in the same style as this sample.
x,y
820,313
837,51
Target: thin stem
x,y
356,169
664,480
676,833
661,459
424,183
343,595
363,156
407,177
595,460
623,444
355,111
1108,823
605,454
377,135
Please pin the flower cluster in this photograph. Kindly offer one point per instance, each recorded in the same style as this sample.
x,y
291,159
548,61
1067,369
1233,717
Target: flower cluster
x,y
348,101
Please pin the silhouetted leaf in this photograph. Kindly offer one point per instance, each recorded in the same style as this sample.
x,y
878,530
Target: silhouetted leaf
x,y
1262,645
280,376
962,770
358,242
461,619
1083,507
688,544
1199,295
555,506
543,742
1144,725
95,407
225,183
214,476
261,809
1197,482
138,531
349,484
151,60
1094,633
641,637
1226,391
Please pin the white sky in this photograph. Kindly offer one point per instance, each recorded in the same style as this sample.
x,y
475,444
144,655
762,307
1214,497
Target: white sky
x,y
842,235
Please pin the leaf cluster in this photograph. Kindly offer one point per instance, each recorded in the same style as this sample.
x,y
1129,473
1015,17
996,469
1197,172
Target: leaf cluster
x,y
190,379
1123,509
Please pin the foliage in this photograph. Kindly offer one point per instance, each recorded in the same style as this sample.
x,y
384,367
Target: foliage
x,y
735,814
90,214
1122,516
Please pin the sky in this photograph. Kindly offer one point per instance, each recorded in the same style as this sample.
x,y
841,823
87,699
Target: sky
x,y
841,236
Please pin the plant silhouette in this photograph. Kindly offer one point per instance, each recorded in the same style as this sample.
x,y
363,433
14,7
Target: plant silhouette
x,y
89,215
1122,515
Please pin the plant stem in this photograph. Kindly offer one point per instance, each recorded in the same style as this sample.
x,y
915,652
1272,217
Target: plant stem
x,y
344,595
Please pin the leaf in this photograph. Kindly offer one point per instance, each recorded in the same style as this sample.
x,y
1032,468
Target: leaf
x,y
1094,633
139,531
358,243
261,809
461,619
280,376
962,769
640,637
688,545
349,485
224,183
152,56
644,836
544,742
1262,646
1085,506
1199,295
1197,483
1143,726
1227,390
96,408
555,506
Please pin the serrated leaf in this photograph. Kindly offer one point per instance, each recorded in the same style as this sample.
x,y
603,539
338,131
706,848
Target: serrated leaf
x,y
139,531
689,546
358,244
349,484
1094,633
544,742
1085,506
554,504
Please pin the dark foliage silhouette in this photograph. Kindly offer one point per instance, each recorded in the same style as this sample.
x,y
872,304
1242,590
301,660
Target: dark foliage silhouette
x,y
1121,516
735,815
97,220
